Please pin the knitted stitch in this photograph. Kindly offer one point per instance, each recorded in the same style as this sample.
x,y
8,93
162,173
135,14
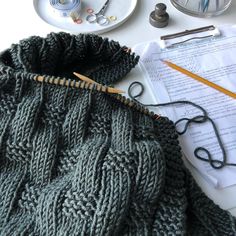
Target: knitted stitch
x,y
80,162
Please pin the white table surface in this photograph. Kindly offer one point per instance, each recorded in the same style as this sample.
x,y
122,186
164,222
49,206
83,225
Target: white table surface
x,y
19,20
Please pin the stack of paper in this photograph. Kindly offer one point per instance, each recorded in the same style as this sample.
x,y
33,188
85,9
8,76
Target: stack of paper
x,y
213,59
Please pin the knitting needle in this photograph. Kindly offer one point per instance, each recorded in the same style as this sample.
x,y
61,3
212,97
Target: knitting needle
x,y
186,2
200,79
217,5
67,83
85,78
205,5
84,84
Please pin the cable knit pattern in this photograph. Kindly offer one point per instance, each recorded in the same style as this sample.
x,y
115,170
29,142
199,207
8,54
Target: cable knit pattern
x,y
81,162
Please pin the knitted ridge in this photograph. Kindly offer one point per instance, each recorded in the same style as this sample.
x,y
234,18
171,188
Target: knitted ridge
x,y
80,162
61,54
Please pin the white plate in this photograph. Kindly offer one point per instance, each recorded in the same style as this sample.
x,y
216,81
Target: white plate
x,y
121,9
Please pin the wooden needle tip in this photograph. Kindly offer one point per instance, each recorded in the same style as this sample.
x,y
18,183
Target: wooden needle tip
x,y
78,75
117,91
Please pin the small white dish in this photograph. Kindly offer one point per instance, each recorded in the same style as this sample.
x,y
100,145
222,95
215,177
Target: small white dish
x,y
120,11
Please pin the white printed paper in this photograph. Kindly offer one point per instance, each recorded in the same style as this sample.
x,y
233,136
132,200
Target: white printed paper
x,y
213,59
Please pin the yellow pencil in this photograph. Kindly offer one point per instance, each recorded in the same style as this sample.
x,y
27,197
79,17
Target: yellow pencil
x,y
200,79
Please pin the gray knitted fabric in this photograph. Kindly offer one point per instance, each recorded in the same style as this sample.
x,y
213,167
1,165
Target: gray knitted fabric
x,y
80,162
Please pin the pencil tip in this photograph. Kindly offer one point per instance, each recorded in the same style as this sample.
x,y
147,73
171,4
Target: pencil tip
x,y
164,61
